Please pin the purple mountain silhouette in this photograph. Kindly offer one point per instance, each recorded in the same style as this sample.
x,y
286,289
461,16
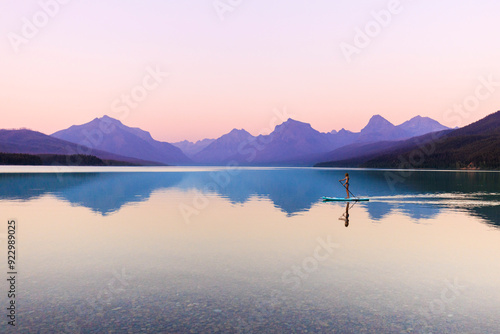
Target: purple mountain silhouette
x,y
290,140
378,128
419,125
296,142
33,142
191,148
226,148
111,135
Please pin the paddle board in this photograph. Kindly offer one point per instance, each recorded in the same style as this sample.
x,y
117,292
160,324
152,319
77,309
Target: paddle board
x,y
342,199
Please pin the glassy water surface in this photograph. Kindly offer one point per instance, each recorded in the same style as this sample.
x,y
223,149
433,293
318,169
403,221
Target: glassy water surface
x,y
254,250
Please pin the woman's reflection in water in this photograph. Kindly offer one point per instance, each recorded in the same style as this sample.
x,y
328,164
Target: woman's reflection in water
x,y
345,215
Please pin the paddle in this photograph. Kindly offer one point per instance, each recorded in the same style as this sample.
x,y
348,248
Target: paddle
x,y
348,190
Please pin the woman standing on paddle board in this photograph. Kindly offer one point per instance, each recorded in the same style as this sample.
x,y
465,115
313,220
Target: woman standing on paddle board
x,y
346,184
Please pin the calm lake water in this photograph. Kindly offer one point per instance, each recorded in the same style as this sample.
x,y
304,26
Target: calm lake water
x,y
204,250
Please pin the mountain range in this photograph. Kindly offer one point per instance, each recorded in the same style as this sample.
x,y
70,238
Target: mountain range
x,y
292,143
474,146
36,143
190,148
110,135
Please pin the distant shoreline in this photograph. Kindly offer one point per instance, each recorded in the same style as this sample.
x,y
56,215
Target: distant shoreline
x,y
24,159
7,169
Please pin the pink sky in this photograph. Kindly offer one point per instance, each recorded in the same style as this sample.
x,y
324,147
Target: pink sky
x,y
232,73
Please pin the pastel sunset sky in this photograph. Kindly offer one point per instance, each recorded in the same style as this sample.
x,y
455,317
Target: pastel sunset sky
x,y
231,66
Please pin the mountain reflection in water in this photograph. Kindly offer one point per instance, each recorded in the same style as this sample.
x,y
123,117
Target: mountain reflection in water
x,y
419,195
